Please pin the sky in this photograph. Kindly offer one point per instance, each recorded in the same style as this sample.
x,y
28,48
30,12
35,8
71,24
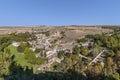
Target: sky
x,y
59,12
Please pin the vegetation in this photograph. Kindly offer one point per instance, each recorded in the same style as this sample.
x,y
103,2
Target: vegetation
x,y
13,64
18,63
46,33
22,36
4,42
61,54
30,57
38,50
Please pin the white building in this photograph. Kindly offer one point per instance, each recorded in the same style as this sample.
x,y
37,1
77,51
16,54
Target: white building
x,y
16,44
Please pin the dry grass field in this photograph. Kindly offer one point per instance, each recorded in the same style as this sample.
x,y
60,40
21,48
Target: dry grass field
x,y
71,32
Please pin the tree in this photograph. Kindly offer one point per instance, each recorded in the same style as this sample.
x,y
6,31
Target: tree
x,y
61,54
116,76
85,51
76,50
39,60
117,57
4,42
29,55
7,50
38,50
21,47
99,43
22,36
110,53
75,58
5,62
109,63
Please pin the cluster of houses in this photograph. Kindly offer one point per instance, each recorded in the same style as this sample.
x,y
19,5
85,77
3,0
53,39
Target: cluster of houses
x,y
45,43
50,45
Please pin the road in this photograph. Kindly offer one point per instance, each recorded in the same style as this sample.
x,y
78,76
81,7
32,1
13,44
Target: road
x,y
95,59
84,56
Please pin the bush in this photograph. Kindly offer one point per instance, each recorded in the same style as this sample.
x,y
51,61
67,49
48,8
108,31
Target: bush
x,y
39,60
20,49
37,50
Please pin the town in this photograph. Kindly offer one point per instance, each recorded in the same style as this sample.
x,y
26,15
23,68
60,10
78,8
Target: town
x,y
49,49
52,43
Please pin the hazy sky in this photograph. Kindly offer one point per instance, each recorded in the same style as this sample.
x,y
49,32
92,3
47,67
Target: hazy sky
x,y
59,12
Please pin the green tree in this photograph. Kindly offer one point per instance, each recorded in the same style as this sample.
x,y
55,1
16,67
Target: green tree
x,y
109,63
116,76
29,55
22,46
76,50
61,54
110,53
38,50
5,62
39,60
85,51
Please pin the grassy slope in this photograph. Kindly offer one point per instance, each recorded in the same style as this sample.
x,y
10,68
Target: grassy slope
x,y
19,58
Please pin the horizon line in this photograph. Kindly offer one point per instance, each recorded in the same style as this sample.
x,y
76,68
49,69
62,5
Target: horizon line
x,y
50,25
